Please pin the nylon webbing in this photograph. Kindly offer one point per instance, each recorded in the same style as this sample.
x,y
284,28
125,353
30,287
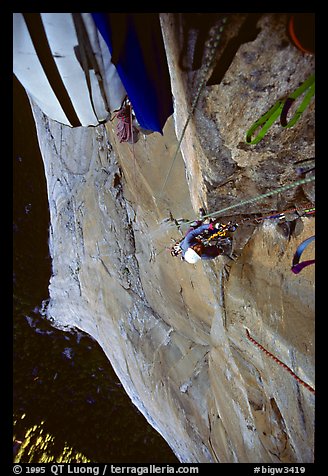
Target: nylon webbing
x,y
297,266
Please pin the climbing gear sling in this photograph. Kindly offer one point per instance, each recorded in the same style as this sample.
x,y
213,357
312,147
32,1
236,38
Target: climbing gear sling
x,y
281,108
297,266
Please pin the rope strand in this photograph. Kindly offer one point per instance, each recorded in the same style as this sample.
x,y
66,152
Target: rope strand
x,y
280,215
299,380
209,60
259,197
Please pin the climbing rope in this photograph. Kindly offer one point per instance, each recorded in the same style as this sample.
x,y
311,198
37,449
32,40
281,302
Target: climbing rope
x,y
258,197
299,380
282,215
212,45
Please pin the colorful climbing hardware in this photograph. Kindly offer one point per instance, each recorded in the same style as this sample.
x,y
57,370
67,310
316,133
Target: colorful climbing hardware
x,y
282,215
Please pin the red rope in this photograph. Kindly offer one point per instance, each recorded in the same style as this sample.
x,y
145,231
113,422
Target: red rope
x,y
279,362
307,210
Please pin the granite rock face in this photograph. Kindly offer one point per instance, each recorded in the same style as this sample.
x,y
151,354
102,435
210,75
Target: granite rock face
x,y
175,333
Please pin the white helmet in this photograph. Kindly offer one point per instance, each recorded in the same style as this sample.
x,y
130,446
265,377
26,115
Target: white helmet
x,y
191,256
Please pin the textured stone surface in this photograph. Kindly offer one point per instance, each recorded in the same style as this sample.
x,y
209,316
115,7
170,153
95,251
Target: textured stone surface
x,y
221,167
176,333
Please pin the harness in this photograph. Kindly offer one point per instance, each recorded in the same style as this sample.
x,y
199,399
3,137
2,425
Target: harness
x,y
219,238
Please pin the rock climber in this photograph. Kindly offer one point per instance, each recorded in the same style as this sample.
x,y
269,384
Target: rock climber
x,y
199,242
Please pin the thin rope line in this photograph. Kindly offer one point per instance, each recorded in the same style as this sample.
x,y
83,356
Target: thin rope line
x,y
209,61
296,377
133,153
279,215
259,197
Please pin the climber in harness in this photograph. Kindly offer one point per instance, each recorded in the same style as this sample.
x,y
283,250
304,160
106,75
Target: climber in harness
x,y
204,241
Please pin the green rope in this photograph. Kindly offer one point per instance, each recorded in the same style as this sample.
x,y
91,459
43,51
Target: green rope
x,y
213,44
258,197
